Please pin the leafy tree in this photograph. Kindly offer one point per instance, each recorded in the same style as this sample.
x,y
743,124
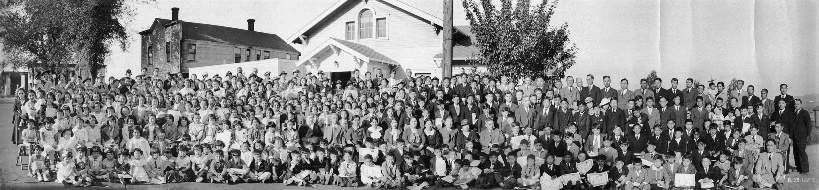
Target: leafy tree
x,y
517,40
62,35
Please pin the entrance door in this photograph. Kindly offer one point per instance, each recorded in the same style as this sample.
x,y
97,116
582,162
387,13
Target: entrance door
x,y
344,76
15,82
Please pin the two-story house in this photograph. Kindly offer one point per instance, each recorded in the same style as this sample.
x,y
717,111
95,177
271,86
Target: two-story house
x,y
378,36
176,46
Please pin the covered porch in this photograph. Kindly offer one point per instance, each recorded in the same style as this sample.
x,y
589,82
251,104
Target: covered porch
x,y
339,58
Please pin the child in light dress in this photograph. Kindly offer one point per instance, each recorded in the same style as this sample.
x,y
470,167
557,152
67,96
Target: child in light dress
x,y
66,170
138,169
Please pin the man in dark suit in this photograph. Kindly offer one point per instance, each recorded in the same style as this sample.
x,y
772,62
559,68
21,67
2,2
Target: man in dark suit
x,y
690,94
674,92
583,121
607,91
525,113
556,146
470,110
750,99
784,116
659,139
679,111
455,109
614,117
763,121
461,88
562,117
783,88
707,171
637,141
799,131
713,141
507,103
667,113
659,91
699,114
591,90
545,115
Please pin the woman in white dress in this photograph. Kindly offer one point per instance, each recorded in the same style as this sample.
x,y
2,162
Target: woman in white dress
x,y
138,142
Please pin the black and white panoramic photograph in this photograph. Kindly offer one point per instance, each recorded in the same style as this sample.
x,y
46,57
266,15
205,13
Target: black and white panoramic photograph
x,y
409,94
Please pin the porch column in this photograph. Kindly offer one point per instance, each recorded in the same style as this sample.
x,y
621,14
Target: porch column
x,y
7,86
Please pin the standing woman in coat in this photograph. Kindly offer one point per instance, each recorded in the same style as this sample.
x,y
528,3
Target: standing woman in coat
x,y
18,115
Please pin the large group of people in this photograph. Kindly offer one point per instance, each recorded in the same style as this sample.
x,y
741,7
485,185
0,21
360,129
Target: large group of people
x,y
469,130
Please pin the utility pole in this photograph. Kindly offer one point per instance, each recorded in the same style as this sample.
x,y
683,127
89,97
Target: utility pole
x,y
446,62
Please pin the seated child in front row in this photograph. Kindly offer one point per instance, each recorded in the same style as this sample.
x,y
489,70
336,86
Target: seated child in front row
x,y
739,176
109,165
298,172
259,168
347,171
217,171
36,165
391,176
97,167
66,170
370,173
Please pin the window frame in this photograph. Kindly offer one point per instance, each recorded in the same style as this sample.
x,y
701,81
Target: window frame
x,y
266,55
386,27
361,28
351,34
191,52
258,55
247,54
237,55
150,55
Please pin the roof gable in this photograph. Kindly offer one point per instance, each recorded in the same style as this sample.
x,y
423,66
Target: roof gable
x,y
157,22
423,9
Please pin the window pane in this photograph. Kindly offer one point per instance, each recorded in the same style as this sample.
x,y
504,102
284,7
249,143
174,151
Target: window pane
x,y
191,52
266,54
237,55
381,25
365,24
349,31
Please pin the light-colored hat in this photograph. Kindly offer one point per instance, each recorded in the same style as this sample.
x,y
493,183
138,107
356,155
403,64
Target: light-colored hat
x,y
604,101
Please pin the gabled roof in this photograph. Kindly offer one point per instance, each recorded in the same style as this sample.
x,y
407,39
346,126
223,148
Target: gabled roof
x,y
360,51
430,10
222,34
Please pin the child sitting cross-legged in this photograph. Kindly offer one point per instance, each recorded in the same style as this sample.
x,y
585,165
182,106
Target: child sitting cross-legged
x,y
258,168
347,171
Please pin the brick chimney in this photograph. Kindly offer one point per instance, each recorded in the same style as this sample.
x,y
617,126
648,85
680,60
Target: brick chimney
x,y
175,14
250,24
